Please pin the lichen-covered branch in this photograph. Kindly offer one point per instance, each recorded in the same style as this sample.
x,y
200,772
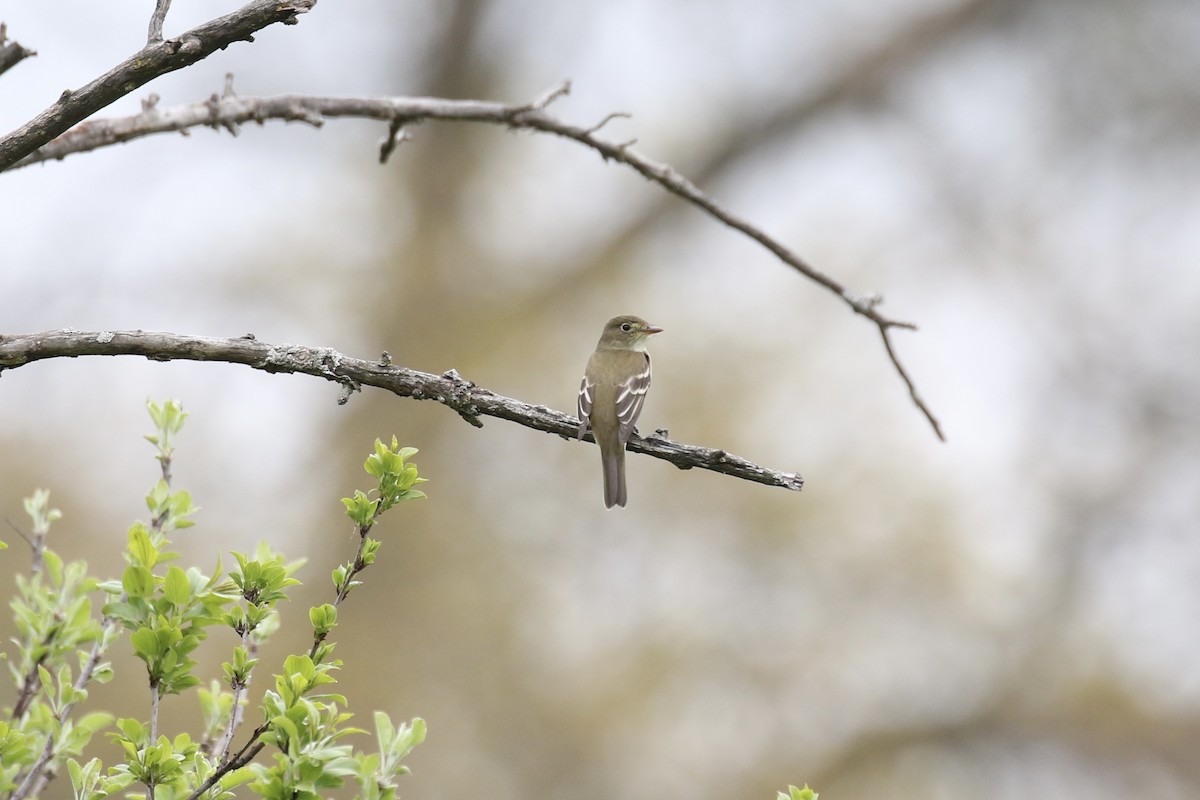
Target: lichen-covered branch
x,y
471,402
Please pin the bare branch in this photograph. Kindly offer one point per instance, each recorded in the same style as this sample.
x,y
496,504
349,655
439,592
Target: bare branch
x,y
468,400
157,19
17,529
549,96
11,53
609,118
147,64
912,389
400,113
395,135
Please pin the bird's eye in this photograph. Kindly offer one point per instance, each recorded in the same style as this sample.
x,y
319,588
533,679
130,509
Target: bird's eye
x,y
625,326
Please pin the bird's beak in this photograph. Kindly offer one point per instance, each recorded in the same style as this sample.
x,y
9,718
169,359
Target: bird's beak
x,y
652,329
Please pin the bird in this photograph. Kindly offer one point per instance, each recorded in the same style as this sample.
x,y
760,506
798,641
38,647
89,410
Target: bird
x,y
611,396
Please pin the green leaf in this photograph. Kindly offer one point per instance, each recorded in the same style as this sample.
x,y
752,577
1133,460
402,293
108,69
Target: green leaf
x,y
287,729
385,732
132,730
110,587
360,508
323,618
95,721
176,587
137,581
128,613
145,644
299,665
76,772
54,567
237,777
141,549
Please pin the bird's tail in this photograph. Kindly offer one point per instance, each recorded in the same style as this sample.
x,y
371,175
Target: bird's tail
x,y
614,477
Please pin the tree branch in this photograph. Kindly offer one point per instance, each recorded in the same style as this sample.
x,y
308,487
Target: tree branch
x,y
468,400
230,111
153,60
11,53
157,20
244,756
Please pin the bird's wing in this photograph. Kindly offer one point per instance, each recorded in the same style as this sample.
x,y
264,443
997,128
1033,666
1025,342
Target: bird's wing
x,y
631,394
586,393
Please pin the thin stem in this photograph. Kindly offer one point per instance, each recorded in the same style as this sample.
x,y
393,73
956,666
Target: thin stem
x,y
356,566
165,462
243,757
155,696
236,714
38,556
29,686
154,699
32,680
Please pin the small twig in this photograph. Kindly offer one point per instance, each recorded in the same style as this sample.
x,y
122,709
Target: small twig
x,y
346,391
357,565
343,589
157,19
17,529
29,686
38,553
32,679
549,96
607,119
396,134
164,462
912,389
11,53
236,713
244,756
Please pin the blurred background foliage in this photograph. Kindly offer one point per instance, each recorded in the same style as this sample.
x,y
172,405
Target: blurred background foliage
x,y
1010,614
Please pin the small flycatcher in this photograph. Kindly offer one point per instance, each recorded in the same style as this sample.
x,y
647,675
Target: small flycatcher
x,y
611,396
